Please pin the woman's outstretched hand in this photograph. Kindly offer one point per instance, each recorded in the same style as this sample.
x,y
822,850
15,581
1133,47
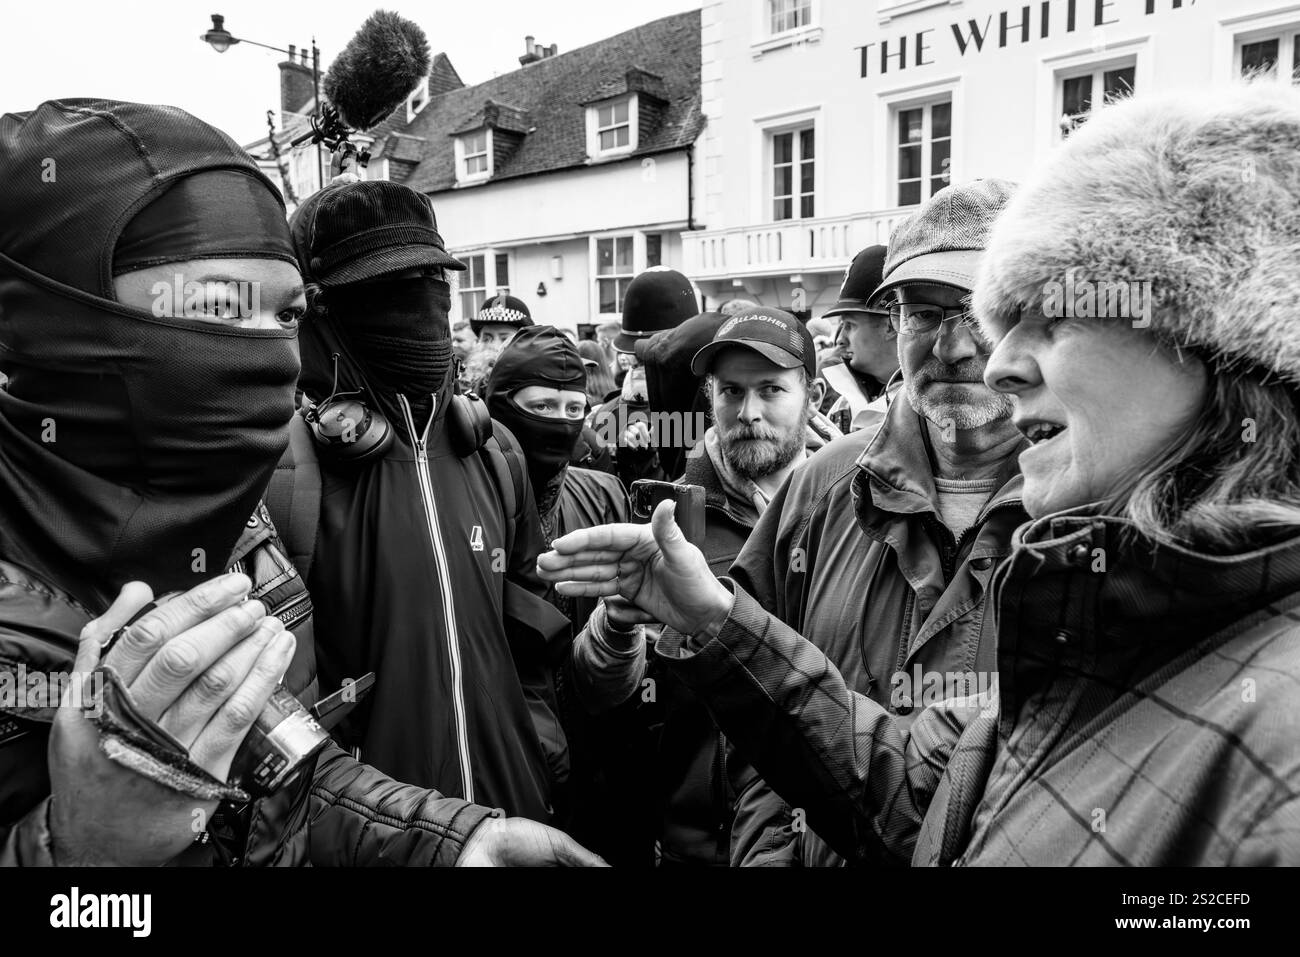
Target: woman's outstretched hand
x,y
652,566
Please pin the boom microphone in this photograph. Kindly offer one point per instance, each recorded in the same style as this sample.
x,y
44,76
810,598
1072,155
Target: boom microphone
x,y
376,71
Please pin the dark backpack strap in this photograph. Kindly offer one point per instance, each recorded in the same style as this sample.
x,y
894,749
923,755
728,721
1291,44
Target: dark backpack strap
x,y
505,461
293,497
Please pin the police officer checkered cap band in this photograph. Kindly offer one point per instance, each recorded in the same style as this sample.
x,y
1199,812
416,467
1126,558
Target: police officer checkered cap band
x,y
496,310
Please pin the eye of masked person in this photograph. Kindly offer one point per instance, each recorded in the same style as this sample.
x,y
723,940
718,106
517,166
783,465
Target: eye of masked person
x,y
552,403
245,293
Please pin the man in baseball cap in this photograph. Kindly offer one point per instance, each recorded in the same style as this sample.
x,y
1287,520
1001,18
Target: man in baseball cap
x,y
759,368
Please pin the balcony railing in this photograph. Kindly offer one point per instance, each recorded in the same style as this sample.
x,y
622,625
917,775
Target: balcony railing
x,y
793,246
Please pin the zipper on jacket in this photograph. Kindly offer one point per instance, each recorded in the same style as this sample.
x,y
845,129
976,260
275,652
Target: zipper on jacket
x,y
294,612
420,442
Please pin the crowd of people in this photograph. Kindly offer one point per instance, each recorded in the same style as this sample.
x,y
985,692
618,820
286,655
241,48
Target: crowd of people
x,y
981,579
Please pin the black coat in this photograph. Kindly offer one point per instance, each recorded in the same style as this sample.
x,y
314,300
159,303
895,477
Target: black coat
x,y
422,574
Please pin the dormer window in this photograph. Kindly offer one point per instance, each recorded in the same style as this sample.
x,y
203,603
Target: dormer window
x,y
418,99
474,156
612,127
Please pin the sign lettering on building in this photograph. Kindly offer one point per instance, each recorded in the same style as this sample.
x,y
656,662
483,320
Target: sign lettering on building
x,y
1031,21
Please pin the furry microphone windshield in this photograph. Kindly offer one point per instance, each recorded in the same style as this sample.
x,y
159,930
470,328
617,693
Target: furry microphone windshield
x,y
377,70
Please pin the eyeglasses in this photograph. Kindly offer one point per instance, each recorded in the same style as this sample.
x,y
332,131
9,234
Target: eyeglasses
x,y
922,318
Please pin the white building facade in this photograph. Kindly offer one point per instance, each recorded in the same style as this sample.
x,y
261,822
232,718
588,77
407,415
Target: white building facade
x,y
827,121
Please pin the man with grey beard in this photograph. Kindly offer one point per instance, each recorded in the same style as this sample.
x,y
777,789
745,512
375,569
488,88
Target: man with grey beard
x,y
881,548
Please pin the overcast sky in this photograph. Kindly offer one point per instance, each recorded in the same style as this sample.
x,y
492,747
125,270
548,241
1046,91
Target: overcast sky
x,y
150,51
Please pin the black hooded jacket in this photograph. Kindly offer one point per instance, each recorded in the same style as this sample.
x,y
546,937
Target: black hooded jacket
x,y
424,573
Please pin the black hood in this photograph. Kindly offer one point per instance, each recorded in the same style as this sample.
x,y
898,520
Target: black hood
x,y
132,446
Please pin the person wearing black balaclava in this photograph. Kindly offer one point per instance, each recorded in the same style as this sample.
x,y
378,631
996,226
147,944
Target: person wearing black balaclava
x,y
538,390
422,568
150,300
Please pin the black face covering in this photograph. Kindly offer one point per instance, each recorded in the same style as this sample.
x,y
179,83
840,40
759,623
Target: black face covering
x,y
133,447
538,355
398,330
548,443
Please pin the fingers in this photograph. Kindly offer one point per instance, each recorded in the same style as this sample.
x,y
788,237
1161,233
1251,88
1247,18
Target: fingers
x,y
182,659
569,853
552,566
616,538
217,743
601,589
194,708
143,639
606,571
132,597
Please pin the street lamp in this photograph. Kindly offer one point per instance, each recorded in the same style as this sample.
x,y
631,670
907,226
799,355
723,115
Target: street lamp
x,y
221,40
219,37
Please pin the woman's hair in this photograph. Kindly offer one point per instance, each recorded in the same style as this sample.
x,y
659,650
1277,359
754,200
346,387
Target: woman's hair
x,y
1232,481
600,381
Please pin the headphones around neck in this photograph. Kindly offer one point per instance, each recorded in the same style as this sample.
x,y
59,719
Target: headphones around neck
x,y
348,430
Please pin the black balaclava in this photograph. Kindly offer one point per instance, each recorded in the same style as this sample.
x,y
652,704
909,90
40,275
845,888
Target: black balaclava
x,y
538,355
132,445
397,329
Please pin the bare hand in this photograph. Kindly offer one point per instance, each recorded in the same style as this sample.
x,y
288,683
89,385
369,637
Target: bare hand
x,y
652,566
519,842
637,436
203,666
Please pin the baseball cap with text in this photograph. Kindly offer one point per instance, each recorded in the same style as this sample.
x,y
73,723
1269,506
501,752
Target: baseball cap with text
x,y
773,333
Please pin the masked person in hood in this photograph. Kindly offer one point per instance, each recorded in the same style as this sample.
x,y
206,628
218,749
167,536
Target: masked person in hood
x,y
151,367
537,389
421,540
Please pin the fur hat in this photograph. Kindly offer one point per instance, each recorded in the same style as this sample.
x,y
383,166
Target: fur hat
x,y
1185,207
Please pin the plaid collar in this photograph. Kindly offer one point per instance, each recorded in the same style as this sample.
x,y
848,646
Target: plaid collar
x,y
1089,592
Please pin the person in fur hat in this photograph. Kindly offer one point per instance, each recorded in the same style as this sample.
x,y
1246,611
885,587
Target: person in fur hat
x,y
1142,291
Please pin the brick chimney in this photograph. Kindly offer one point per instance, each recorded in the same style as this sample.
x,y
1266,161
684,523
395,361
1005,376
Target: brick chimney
x,y
535,51
296,88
